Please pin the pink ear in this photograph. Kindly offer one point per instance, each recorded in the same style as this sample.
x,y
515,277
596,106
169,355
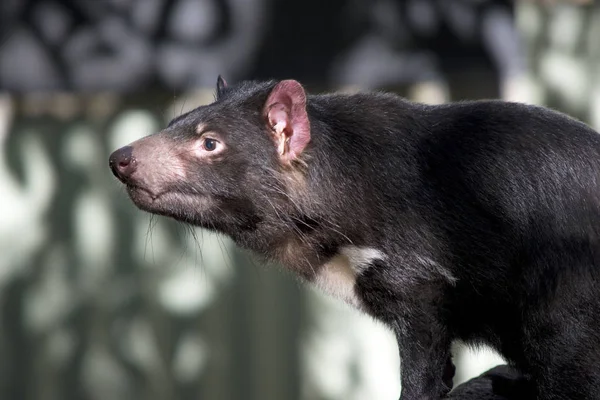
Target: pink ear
x,y
286,112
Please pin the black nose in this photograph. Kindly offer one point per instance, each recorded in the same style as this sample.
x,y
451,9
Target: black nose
x,y
122,163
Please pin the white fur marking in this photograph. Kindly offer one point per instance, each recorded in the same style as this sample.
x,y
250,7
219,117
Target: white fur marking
x,y
337,277
427,262
434,266
360,258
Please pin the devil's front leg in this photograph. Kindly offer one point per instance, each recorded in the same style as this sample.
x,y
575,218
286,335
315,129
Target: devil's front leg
x,y
415,313
424,356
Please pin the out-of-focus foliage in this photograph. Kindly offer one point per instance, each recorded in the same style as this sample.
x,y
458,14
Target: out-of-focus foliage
x,y
563,45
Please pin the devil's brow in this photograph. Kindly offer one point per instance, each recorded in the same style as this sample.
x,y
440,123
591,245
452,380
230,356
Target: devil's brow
x,y
177,119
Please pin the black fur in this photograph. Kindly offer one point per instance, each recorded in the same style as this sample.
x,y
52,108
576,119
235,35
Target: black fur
x,y
221,85
488,213
499,383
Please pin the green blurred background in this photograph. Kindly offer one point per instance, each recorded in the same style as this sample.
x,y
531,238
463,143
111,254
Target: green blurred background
x,y
99,300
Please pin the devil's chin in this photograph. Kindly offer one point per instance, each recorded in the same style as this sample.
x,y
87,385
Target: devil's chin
x,y
172,204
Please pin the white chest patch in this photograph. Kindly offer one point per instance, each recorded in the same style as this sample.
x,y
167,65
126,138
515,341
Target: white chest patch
x,y
338,276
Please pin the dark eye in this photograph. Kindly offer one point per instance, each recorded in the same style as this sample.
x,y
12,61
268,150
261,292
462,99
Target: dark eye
x,y
210,144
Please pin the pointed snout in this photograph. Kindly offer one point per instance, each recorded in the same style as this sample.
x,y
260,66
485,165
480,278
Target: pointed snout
x,y
122,163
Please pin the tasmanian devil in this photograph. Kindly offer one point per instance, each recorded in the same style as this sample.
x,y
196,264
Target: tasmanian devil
x,y
473,221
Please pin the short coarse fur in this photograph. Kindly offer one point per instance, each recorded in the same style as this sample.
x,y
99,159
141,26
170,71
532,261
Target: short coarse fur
x,y
487,212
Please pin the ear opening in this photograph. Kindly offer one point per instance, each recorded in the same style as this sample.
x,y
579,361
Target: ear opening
x,y
285,111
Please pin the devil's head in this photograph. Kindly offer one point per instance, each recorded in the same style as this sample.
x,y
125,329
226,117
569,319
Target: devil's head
x,y
226,166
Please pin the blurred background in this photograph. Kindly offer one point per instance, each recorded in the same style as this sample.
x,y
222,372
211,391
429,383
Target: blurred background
x,y
101,301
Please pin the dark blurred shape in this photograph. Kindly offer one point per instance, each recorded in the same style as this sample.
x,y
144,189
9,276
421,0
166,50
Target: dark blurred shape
x,y
125,45
406,41
27,64
130,45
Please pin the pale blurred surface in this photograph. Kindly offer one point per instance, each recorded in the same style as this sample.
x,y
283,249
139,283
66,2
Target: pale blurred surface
x,y
100,301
